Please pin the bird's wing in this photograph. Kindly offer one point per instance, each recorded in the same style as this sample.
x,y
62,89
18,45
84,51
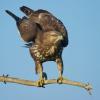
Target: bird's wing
x,y
47,21
26,10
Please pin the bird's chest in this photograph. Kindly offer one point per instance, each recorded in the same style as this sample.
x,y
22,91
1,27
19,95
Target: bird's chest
x,y
47,53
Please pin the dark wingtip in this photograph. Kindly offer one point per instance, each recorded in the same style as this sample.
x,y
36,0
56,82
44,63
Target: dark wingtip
x,y
12,15
26,10
7,11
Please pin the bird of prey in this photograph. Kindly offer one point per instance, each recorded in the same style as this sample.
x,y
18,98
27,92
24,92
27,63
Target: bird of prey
x,y
48,36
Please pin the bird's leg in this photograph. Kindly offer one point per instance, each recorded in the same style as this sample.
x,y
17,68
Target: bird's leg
x,y
39,71
60,69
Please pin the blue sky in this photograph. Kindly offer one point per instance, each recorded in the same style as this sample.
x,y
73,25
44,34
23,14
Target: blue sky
x,y
81,57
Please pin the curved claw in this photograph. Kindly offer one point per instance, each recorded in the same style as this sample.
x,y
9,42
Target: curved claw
x,y
44,76
5,76
40,83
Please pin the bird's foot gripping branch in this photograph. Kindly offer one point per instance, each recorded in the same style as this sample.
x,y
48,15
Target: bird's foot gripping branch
x,y
6,78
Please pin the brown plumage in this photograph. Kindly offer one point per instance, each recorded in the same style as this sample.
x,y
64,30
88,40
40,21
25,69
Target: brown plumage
x,y
48,48
47,21
28,30
48,36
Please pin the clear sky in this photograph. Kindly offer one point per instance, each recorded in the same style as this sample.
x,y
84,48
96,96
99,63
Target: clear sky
x,y
81,57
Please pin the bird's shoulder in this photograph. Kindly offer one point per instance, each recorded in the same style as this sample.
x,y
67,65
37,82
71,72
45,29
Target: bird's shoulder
x,y
42,11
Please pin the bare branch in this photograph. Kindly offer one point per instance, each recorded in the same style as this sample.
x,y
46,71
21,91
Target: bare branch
x,y
5,79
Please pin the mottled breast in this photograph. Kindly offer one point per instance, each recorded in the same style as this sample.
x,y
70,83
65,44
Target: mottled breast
x,y
47,53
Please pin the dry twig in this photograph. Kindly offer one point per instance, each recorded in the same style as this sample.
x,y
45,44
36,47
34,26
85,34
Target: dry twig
x,y
5,79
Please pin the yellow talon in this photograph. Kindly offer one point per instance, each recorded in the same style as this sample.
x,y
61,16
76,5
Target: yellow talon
x,y
40,83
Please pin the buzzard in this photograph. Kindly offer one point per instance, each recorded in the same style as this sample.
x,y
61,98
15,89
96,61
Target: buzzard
x,y
48,36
